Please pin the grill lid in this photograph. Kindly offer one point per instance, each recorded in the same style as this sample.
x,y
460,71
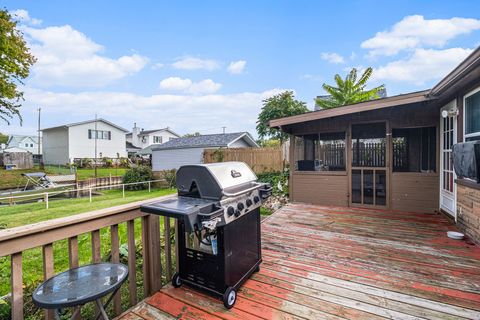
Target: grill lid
x,y
209,181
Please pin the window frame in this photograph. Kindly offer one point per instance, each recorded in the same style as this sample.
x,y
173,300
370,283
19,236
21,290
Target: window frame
x,y
437,144
320,172
467,95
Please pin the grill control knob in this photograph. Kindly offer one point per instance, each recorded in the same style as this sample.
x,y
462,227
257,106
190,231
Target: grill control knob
x,y
240,206
256,199
230,211
237,213
249,202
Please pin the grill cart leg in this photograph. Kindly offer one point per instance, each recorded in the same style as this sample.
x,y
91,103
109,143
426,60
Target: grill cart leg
x,y
229,298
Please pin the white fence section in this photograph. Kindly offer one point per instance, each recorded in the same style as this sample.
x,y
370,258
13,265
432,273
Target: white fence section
x,y
45,196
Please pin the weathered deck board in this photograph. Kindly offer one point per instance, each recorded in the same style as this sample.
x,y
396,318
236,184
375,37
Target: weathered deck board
x,y
344,263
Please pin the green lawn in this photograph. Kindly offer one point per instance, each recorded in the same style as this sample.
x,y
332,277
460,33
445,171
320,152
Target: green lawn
x,y
83,174
10,179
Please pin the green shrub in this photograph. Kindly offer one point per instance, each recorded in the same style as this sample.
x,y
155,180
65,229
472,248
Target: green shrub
x,y
170,177
276,180
138,174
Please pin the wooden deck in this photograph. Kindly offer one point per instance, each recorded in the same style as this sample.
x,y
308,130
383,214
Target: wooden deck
x,y
344,263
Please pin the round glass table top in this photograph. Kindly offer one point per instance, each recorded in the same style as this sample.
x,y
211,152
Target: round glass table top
x,y
80,285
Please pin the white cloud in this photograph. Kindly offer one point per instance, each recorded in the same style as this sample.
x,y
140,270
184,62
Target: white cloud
x,y
422,66
206,86
175,83
332,57
415,31
182,112
192,63
67,57
24,17
237,67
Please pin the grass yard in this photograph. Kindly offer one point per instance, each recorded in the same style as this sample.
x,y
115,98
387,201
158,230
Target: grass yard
x,y
10,179
17,215
83,174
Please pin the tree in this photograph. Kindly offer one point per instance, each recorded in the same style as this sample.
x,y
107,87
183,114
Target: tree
x,y
349,90
278,106
15,64
189,135
3,138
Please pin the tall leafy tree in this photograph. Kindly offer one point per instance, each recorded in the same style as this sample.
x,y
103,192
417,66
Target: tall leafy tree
x,y
281,105
15,63
3,138
349,90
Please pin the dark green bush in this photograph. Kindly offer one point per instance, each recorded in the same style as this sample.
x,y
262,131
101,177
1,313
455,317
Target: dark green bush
x,y
138,174
275,179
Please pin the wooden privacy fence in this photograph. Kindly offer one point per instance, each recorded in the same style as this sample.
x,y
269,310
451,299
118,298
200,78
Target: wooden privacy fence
x,y
14,241
259,159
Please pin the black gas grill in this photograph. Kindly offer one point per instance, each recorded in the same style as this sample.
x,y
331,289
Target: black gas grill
x,y
218,212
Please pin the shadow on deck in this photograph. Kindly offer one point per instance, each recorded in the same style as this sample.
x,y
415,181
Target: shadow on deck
x,y
344,263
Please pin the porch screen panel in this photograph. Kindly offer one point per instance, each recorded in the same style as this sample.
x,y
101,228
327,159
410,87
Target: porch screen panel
x,y
320,152
414,149
368,145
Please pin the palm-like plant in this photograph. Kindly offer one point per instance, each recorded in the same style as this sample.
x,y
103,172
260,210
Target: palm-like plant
x,y
349,90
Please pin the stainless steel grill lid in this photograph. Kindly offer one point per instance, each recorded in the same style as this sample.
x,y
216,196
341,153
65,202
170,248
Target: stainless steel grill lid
x,y
215,180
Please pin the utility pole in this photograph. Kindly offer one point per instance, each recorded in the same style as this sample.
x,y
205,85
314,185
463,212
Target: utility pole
x,y
96,135
224,129
39,141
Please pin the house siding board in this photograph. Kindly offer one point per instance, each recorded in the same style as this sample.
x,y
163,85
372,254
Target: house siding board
x,y
55,146
240,143
175,158
83,147
320,189
415,192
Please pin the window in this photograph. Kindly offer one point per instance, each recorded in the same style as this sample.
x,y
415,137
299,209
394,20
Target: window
x,y
472,116
414,149
320,152
26,145
31,145
99,134
157,139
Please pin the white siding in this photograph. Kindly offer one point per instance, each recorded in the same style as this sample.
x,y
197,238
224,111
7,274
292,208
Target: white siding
x,y
240,143
83,147
55,146
175,158
148,139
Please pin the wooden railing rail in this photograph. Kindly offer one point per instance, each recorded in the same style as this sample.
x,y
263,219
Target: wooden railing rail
x,y
14,241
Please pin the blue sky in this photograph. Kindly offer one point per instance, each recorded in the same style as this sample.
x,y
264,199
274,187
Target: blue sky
x,y
201,65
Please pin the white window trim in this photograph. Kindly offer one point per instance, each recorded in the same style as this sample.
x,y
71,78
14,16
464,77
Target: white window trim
x,y
469,135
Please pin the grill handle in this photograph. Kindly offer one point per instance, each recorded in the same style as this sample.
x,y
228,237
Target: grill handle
x,y
234,194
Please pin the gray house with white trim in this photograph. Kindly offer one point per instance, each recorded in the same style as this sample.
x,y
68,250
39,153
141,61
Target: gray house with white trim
x,y
189,150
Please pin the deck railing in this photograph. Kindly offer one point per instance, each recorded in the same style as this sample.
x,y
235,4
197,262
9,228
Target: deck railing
x,y
155,243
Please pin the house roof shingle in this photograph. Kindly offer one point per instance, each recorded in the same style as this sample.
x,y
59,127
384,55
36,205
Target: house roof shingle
x,y
206,141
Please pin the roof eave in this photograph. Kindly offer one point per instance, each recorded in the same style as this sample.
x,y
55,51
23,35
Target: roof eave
x,y
413,97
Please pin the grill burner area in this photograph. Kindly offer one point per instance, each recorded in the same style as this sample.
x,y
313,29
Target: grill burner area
x,y
218,212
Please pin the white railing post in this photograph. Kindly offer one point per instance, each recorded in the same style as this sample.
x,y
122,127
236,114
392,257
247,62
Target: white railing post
x,y
46,200
123,190
149,188
90,194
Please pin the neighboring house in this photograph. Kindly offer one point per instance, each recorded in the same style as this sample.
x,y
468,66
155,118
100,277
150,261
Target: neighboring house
x,y
27,143
393,153
140,139
62,144
189,150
